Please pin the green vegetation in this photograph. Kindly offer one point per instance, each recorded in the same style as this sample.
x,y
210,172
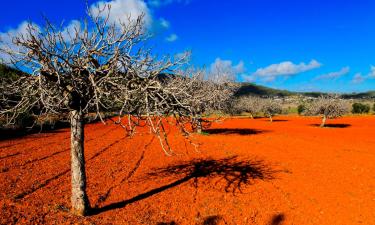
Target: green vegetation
x,y
359,108
253,89
301,108
9,73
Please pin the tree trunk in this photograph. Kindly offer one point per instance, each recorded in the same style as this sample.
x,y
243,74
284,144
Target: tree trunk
x,y
80,203
199,125
323,121
271,120
251,116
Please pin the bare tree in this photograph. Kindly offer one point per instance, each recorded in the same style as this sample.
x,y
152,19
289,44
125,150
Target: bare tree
x,y
207,92
328,107
95,67
249,104
270,108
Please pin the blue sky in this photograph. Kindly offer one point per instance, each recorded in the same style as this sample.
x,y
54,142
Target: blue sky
x,y
296,45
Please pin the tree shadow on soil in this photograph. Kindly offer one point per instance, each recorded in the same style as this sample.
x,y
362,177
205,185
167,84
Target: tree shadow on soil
x,y
9,134
209,220
239,131
335,125
279,120
277,219
234,172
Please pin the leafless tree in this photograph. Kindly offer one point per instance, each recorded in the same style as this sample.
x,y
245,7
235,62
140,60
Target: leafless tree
x,y
328,107
249,104
95,67
207,92
270,108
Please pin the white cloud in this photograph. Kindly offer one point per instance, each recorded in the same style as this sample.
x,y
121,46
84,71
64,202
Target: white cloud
x,y
372,72
123,10
286,68
358,78
6,43
172,38
334,75
69,31
226,69
164,23
220,64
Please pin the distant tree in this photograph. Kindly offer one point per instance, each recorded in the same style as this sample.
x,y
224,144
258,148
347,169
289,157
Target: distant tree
x,y
96,67
208,93
328,107
249,104
270,108
359,108
373,108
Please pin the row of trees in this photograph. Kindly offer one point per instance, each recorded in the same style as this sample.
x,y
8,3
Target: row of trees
x,y
255,105
326,106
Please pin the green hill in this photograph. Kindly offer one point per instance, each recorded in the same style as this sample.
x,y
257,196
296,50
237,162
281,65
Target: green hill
x,y
259,90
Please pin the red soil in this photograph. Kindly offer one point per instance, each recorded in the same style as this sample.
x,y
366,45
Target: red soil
x,y
244,172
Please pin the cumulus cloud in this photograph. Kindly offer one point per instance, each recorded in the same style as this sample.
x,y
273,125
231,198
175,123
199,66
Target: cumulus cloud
x,y
226,69
334,75
123,10
358,78
172,38
287,68
220,64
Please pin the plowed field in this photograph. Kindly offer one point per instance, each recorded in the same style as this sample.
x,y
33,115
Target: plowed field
x,y
243,171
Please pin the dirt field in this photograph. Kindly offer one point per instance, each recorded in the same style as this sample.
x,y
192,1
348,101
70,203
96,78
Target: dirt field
x,y
244,172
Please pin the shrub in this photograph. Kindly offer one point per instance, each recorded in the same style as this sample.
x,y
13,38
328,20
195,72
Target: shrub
x,y
301,108
25,120
359,108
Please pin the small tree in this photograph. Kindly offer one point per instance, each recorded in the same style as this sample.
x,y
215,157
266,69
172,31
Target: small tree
x,y
249,104
359,108
95,67
271,108
328,107
208,93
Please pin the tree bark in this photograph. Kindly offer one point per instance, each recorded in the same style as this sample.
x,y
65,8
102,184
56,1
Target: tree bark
x,y
80,203
323,121
199,125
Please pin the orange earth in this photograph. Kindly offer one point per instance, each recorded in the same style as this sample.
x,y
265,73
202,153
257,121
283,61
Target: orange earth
x,y
243,172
